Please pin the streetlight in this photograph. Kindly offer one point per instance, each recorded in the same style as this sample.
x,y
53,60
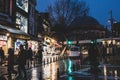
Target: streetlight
x,y
69,42
111,21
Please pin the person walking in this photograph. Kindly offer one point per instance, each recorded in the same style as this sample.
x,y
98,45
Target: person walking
x,y
10,66
22,62
2,55
93,57
40,55
104,53
30,56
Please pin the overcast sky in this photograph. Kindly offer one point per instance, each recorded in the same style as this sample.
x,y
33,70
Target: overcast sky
x,y
99,9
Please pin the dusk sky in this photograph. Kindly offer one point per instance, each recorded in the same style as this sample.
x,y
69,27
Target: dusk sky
x,y
99,9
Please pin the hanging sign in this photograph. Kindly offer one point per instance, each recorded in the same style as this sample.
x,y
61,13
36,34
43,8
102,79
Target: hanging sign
x,y
3,37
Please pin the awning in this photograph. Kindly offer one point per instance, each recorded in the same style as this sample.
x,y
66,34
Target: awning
x,y
15,32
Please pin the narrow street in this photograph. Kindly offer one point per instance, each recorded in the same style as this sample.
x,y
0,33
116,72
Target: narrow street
x,y
67,71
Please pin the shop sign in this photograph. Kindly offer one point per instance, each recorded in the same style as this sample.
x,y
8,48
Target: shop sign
x,y
3,37
2,43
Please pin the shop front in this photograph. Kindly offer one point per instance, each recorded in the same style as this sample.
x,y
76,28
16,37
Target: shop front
x,y
3,42
33,45
12,38
17,43
51,47
112,45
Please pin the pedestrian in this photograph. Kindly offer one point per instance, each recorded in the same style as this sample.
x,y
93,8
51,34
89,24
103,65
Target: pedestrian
x,y
30,56
11,63
22,62
81,58
104,53
93,57
2,55
40,55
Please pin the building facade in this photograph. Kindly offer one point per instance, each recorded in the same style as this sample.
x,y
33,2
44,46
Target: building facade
x,y
86,28
17,23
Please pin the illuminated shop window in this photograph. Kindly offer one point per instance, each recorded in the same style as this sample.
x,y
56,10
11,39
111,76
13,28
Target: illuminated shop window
x,y
22,22
23,4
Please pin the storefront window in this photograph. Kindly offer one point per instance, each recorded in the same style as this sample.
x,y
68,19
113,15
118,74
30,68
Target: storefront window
x,y
17,45
23,4
33,45
22,22
3,43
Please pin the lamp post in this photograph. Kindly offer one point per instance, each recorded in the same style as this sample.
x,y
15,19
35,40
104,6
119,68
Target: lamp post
x,y
112,21
111,24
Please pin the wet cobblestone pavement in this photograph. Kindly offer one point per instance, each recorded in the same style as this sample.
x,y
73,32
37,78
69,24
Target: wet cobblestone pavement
x,y
49,72
108,72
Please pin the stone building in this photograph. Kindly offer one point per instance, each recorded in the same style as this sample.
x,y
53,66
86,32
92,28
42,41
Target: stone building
x,y
86,28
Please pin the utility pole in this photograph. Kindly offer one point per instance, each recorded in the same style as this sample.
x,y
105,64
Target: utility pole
x,y
111,23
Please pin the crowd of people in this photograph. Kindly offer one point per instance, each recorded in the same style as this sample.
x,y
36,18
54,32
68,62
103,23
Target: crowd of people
x,y
96,53
25,57
2,55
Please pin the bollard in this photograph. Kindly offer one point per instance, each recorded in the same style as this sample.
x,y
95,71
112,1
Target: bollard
x,y
47,61
53,59
50,60
58,73
56,58
40,76
44,61
74,67
77,66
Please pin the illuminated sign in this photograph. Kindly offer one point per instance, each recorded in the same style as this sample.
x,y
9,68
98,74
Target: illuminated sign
x,y
2,43
3,37
22,22
23,4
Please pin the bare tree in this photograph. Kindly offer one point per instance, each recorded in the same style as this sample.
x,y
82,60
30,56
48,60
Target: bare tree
x,y
63,12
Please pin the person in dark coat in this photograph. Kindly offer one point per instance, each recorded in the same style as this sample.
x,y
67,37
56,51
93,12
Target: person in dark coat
x,y
2,55
93,57
29,55
22,61
11,62
40,55
104,53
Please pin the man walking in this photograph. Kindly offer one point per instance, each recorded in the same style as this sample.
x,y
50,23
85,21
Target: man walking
x,y
22,62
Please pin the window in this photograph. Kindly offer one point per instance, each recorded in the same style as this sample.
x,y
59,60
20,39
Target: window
x,y
22,22
4,6
23,4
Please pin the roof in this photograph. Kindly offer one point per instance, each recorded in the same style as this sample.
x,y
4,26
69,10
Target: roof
x,y
85,22
13,30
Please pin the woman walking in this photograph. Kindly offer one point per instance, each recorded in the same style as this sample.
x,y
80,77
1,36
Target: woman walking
x,y
11,63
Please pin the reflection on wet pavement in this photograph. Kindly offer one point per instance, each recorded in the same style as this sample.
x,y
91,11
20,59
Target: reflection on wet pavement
x,y
34,75
72,70
108,72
